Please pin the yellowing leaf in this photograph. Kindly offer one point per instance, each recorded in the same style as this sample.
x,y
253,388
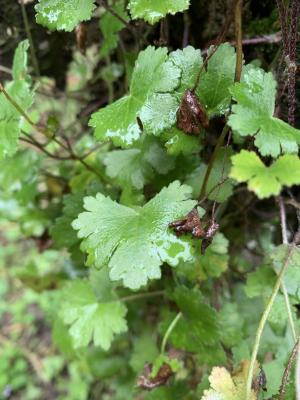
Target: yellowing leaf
x,y
265,181
224,386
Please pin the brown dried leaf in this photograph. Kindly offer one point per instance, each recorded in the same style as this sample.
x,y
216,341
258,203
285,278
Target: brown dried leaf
x,y
191,115
189,224
145,381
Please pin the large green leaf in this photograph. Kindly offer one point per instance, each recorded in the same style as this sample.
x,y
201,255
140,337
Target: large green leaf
x,y
152,73
253,114
63,14
265,181
92,317
134,243
19,89
153,10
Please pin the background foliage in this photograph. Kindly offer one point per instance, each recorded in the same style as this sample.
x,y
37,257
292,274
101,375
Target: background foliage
x,y
99,298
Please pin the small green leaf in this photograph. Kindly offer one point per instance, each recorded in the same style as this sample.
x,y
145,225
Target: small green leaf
x,y
134,243
110,26
20,62
144,351
90,319
178,142
19,89
253,114
63,14
62,232
260,282
218,187
153,10
213,89
189,60
265,181
136,166
199,317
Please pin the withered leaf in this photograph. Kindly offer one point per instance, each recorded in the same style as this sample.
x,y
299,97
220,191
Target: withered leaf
x,y
145,381
191,223
211,230
191,115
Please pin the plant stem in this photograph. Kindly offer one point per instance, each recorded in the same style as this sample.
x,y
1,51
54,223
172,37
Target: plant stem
x,y
212,160
69,150
139,296
283,287
28,33
169,331
238,38
287,370
297,374
263,321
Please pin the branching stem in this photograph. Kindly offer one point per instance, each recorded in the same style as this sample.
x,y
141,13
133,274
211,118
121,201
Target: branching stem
x,y
212,160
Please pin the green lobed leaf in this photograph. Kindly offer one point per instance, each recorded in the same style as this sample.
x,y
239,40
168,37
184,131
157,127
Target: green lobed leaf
x,y
136,166
259,282
19,89
18,176
189,60
62,232
213,89
110,26
198,316
178,142
153,10
63,14
265,181
144,351
92,318
135,243
211,264
253,114
152,73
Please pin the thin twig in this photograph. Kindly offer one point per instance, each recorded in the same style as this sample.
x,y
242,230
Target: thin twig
x,y
29,36
70,151
186,29
291,61
43,150
169,331
140,296
238,38
212,160
107,7
297,374
283,287
287,370
263,321
220,39
283,220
